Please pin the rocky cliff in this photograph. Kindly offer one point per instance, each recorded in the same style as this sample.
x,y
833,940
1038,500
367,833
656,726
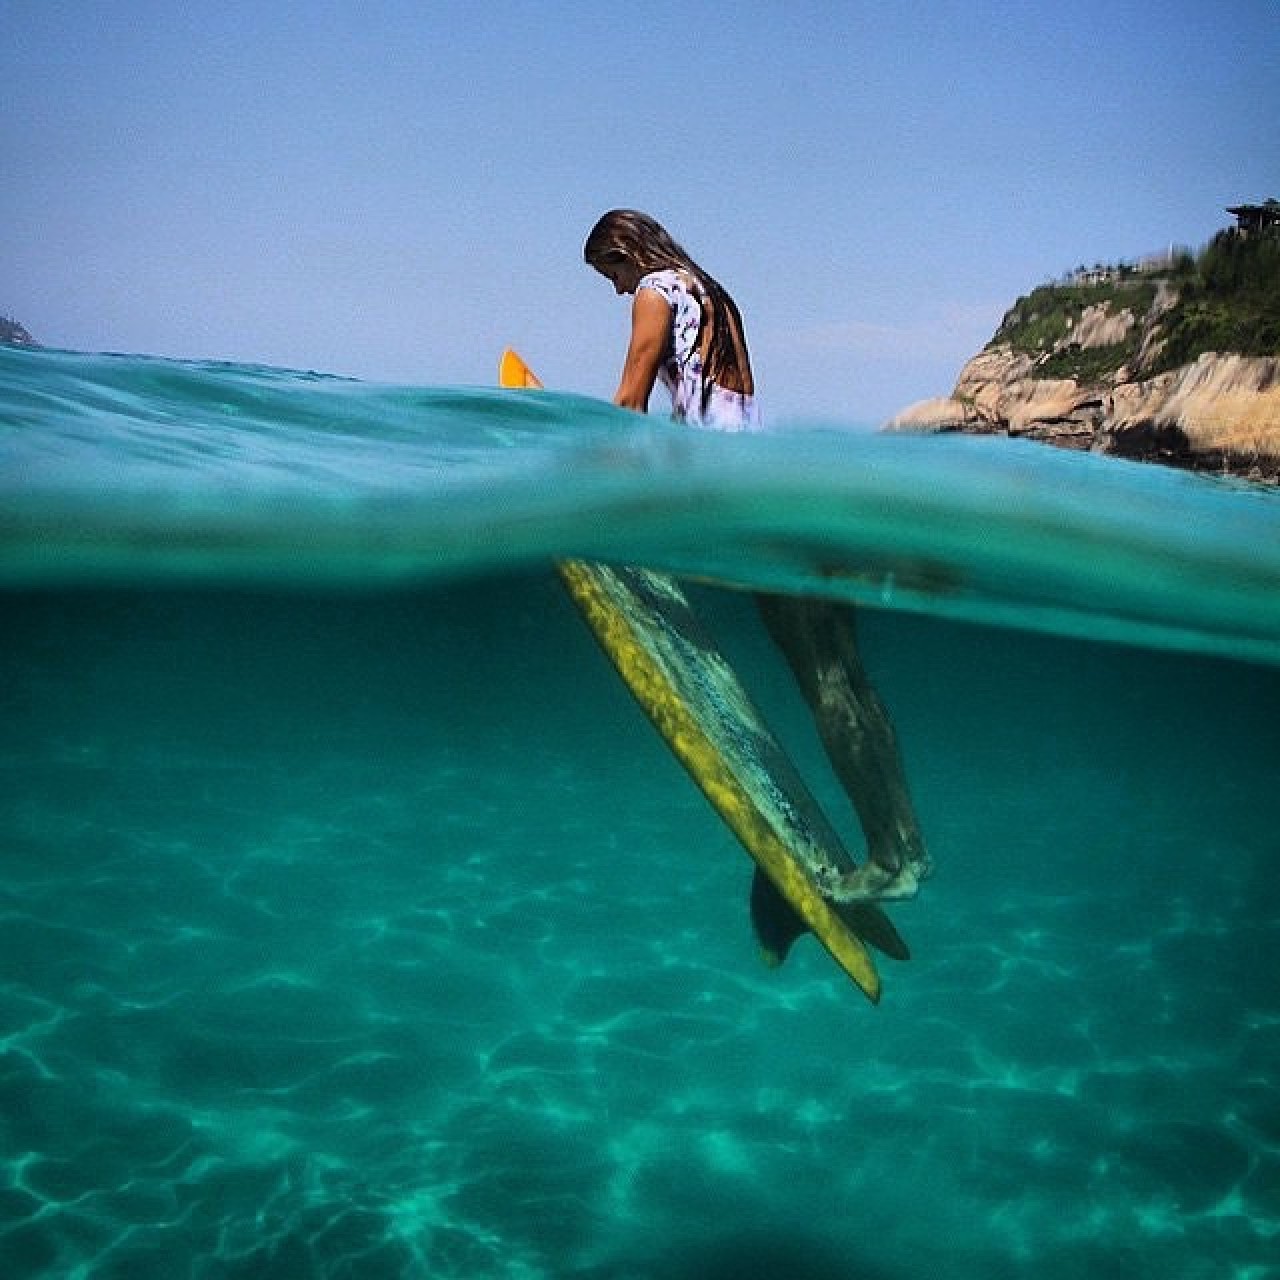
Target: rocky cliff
x,y
1109,363
14,334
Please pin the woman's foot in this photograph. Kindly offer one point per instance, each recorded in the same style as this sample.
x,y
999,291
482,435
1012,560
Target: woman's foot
x,y
872,882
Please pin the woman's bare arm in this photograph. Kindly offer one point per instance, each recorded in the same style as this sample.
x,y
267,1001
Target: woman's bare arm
x,y
650,330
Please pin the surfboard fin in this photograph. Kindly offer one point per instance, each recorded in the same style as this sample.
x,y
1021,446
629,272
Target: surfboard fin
x,y
777,925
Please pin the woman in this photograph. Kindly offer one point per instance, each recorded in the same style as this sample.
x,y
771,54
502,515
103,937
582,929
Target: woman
x,y
685,329
687,333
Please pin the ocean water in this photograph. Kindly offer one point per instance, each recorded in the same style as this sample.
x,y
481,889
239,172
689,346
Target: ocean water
x,y
357,924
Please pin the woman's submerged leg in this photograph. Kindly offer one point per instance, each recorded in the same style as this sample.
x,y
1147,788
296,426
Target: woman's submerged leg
x,y
818,641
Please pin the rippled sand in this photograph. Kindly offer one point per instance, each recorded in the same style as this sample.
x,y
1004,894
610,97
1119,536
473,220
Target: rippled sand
x,y
379,938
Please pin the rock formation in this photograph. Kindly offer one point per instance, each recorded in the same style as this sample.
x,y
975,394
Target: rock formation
x,y
1219,413
12,333
1086,365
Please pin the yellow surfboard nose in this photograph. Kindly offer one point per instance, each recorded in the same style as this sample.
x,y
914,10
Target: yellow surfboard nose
x,y
513,372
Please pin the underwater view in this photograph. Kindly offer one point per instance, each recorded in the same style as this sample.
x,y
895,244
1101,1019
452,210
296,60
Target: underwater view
x,y
357,923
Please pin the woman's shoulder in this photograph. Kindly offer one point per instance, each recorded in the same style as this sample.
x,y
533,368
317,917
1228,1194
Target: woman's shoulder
x,y
668,281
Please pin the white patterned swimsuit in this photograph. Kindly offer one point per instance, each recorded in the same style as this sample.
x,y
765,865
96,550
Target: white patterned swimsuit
x,y
681,368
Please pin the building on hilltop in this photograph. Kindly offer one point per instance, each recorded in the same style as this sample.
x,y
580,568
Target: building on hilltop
x,y
1256,217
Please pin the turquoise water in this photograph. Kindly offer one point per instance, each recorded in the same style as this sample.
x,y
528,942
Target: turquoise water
x,y
357,924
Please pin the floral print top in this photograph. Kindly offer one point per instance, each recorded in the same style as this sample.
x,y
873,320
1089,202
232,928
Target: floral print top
x,y
681,368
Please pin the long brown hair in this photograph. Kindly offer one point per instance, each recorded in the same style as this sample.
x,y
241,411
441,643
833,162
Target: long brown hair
x,y
626,234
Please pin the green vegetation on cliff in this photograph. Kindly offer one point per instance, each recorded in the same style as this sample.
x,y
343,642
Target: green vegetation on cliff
x,y
1230,303
1224,299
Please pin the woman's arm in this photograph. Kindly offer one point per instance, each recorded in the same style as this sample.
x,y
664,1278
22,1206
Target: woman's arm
x,y
650,332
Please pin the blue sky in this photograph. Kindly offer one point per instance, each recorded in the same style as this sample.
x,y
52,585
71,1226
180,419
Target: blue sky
x,y
396,190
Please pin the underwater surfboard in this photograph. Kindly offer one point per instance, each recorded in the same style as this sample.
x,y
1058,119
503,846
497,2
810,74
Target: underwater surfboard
x,y
646,625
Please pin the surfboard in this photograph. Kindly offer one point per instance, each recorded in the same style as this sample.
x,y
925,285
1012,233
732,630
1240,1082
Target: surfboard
x,y
668,659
